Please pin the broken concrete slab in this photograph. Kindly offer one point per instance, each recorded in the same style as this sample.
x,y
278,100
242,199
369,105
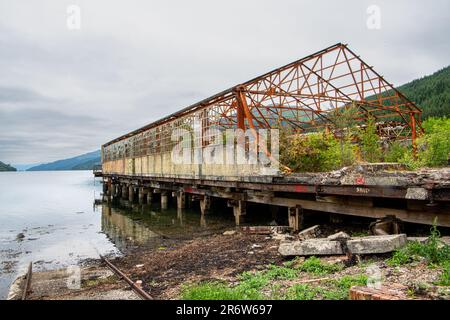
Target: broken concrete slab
x,y
417,239
257,229
310,247
339,236
360,245
309,233
376,244
264,229
282,237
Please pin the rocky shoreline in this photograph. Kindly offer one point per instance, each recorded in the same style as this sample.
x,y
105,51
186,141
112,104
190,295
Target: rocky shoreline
x,y
237,262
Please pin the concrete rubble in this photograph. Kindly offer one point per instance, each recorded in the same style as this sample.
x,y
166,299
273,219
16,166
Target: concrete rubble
x,y
339,236
339,244
309,233
379,174
264,229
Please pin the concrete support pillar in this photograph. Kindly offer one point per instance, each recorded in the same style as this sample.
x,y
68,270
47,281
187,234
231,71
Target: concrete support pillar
x,y
274,210
335,218
181,200
106,208
205,205
164,200
124,192
239,211
149,196
188,200
113,190
295,216
180,216
141,195
203,221
131,193
109,187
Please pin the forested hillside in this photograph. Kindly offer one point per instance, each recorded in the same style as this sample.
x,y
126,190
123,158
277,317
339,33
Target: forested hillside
x,y
430,93
84,162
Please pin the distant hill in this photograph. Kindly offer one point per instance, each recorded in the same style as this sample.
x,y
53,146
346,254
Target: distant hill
x,y
84,162
431,93
24,167
6,167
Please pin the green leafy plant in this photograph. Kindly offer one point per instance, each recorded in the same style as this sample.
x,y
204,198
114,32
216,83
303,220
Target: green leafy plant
x,y
303,292
369,142
433,250
434,145
316,266
396,152
444,278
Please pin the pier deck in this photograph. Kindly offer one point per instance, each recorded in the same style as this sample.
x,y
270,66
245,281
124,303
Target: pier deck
x,y
375,191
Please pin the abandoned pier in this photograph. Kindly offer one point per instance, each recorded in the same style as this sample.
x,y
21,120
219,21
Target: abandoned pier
x,y
138,167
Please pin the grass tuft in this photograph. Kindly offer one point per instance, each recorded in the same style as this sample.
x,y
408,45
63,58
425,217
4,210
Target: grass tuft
x,y
315,266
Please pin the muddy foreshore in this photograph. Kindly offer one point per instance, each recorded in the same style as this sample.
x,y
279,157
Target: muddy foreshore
x,y
166,271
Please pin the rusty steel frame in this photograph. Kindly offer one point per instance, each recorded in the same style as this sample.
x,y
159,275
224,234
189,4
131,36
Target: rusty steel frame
x,y
302,95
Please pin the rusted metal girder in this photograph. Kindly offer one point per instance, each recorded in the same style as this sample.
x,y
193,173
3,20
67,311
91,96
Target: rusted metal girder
x,y
303,95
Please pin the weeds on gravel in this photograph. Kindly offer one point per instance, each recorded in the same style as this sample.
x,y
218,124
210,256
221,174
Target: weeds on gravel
x,y
436,252
336,289
444,279
303,292
251,284
276,272
315,266
212,291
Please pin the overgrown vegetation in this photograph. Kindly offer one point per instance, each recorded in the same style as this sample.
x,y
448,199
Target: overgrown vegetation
x,y
369,144
263,284
434,145
431,93
444,279
315,266
435,252
322,151
314,152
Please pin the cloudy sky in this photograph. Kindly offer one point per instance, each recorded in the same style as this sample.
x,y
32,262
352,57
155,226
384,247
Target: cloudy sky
x,y
65,91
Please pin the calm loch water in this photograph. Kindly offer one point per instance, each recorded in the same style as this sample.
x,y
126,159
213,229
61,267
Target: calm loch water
x,y
50,218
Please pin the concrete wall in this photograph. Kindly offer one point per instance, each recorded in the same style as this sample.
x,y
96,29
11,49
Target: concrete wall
x,y
162,165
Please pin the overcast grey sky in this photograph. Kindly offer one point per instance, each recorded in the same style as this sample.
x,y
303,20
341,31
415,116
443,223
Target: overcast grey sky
x,y
65,92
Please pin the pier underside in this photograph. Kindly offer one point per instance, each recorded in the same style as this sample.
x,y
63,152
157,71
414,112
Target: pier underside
x,y
417,197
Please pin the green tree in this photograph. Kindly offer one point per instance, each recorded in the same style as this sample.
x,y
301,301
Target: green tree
x,y
344,120
434,145
395,152
369,140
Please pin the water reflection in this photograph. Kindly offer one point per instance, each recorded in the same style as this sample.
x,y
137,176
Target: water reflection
x,y
128,224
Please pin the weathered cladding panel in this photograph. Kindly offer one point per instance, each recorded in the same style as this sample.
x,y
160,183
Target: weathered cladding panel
x,y
149,152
